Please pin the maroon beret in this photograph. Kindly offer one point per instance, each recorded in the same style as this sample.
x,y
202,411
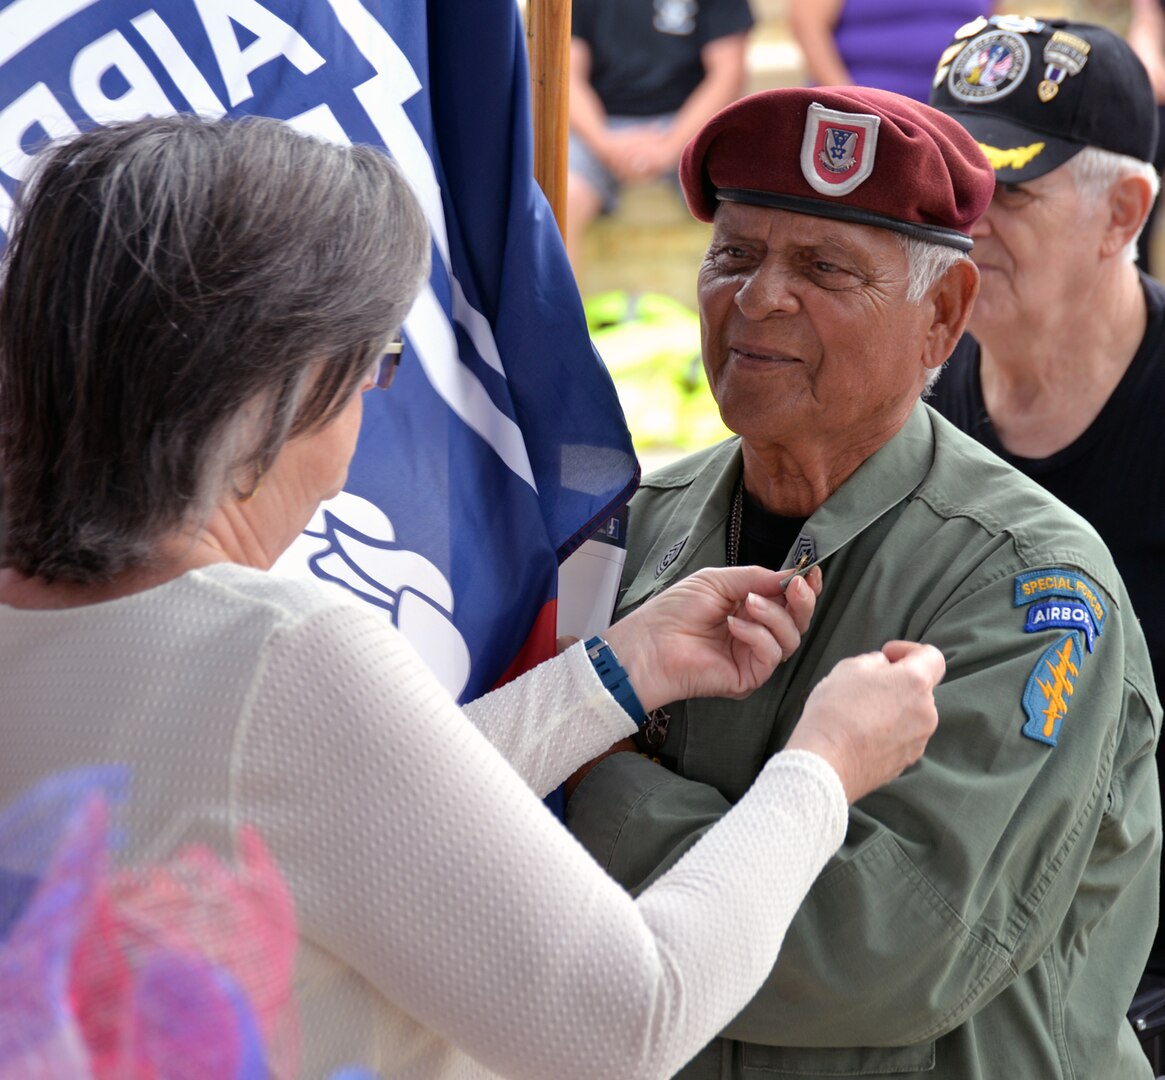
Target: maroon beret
x,y
847,152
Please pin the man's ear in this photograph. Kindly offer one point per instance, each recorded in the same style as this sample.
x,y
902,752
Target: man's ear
x,y
951,297
1129,202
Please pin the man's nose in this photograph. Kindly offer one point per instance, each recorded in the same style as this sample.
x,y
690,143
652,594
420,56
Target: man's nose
x,y
768,290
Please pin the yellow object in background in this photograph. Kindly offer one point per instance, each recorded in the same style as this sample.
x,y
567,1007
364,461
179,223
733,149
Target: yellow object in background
x,y
651,346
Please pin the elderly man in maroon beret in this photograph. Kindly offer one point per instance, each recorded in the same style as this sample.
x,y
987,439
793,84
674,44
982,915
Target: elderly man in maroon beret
x,y
992,909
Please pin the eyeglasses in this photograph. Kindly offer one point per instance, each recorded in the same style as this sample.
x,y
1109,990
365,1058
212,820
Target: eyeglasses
x,y
389,362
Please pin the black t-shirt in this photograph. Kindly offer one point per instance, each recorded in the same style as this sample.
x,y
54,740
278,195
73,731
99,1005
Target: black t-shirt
x,y
1113,474
645,54
765,538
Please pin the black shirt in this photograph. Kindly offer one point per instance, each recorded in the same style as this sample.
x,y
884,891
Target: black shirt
x,y
766,538
645,54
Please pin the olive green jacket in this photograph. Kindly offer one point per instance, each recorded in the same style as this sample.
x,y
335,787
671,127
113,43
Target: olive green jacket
x,y
991,910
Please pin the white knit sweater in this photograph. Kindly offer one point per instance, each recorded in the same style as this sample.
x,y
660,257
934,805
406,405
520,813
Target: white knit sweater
x,y
450,927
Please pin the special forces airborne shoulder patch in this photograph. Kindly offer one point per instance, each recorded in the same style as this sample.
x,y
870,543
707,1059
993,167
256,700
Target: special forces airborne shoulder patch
x,y
1057,599
1050,685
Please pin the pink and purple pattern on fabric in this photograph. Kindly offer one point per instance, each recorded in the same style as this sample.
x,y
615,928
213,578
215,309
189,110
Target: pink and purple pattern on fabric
x,y
179,969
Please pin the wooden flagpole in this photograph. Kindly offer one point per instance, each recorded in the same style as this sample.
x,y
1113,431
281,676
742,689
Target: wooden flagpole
x,y
548,45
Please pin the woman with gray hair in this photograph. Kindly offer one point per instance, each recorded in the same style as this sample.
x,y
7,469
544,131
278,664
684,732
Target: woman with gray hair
x,y
190,311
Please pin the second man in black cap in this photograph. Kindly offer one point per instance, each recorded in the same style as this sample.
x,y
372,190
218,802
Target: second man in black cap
x,y
1063,372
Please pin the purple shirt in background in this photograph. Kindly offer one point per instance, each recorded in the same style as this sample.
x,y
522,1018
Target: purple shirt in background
x,y
895,44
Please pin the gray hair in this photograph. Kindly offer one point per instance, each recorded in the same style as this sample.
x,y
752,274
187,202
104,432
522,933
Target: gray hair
x,y
179,297
1095,171
926,263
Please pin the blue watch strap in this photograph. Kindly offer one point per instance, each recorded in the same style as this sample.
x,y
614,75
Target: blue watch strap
x,y
614,677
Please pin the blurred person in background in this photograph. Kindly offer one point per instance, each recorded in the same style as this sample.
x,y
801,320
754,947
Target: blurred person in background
x,y
644,77
889,44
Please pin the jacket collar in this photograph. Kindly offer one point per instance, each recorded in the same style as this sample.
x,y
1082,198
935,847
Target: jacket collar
x,y
696,533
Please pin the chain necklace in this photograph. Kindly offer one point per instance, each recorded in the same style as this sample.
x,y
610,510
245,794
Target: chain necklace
x,y
732,554
805,561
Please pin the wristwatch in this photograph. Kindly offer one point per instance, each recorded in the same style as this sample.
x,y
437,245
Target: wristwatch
x,y
614,677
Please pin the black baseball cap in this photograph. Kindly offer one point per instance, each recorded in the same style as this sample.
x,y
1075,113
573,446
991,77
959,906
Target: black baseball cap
x,y
1035,92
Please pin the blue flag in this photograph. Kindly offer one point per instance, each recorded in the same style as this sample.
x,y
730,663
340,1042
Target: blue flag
x,y
501,445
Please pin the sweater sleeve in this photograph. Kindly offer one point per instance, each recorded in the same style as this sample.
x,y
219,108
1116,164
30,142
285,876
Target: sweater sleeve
x,y
419,859
552,719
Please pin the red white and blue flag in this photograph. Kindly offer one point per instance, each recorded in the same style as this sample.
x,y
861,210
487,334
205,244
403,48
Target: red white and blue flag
x,y
501,445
